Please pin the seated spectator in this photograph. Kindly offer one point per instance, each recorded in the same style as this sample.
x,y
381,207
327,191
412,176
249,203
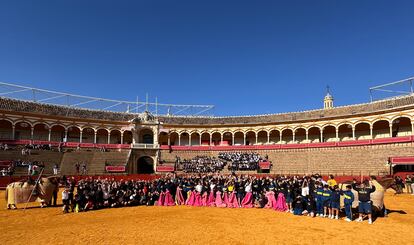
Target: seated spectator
x,y
201,164
240,161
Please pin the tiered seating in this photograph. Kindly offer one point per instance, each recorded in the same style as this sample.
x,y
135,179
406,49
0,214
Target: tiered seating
x,y
100,159
95,161
69,160
48,158
5,167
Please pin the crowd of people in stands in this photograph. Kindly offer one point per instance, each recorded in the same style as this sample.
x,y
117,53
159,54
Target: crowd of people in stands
x,y
27,149
4,147
33,167
81,168
240,161
305,195
7,170
201,164
236,161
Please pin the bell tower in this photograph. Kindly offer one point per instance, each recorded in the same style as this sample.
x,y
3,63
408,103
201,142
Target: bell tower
x,y
328,100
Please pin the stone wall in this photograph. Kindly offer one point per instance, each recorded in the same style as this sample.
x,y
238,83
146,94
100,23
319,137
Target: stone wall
x,y
355,160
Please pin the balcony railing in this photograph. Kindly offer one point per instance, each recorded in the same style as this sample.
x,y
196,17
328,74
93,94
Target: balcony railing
x,y
145,146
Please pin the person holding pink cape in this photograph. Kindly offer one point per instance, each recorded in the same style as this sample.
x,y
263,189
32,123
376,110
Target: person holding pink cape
x,y
219,200
232,199
179,198
197,195
271,200
168,199
190,198
210,200
281,203
247,201
161,199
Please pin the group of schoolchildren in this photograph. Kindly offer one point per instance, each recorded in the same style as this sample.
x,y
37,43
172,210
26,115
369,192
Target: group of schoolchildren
x,y
306,195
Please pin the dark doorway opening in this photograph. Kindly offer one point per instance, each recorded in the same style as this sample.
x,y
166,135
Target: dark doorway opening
x,y
145,165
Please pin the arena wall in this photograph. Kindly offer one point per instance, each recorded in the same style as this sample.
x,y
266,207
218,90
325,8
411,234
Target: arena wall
x,y
353,160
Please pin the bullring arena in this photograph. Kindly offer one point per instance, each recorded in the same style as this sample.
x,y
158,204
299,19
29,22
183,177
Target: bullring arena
x,y
188,170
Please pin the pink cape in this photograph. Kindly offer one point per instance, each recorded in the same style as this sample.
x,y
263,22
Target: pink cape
x,y
161,199
281,203
219,201
168,199
210,201
197,199
190,198
179,198
232,201
225,199
247,200
271,200
204,199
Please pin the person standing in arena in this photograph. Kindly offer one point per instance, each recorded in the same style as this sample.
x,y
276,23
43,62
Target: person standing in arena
x,y
364,198
348,200
326,200
335,202
331,182
408,183
55,169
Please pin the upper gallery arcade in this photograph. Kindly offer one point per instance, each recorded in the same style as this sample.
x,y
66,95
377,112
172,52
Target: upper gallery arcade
x,y
21,120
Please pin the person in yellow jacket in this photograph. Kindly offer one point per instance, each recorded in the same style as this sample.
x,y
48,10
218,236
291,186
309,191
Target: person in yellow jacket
x,y
331,182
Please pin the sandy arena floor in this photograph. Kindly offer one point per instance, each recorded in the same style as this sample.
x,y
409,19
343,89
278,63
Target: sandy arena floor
x,y
190,225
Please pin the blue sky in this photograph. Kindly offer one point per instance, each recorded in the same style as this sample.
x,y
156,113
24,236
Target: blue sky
x,y
245,57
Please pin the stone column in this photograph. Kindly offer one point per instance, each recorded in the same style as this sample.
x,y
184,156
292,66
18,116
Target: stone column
x,y
179,139
321,138
268,138
256,135
293,136
353,132
49,135
390,130
80,137
280,138
337,134
189,139
13,132
169,139
31,133
244,139
200,139
371,131
109,137
122,138
66,135
307,136
95,137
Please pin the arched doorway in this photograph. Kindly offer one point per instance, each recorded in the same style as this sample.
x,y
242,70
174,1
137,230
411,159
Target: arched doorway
x,y
145,165
6,130
146,136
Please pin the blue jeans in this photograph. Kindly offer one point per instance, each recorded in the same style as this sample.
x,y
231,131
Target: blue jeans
x,y
348,211
319,207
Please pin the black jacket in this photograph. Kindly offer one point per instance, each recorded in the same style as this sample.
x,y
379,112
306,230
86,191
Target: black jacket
x,y
364,194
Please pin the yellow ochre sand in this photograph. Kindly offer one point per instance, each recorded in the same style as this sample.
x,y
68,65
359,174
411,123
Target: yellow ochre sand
x,y
191,225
